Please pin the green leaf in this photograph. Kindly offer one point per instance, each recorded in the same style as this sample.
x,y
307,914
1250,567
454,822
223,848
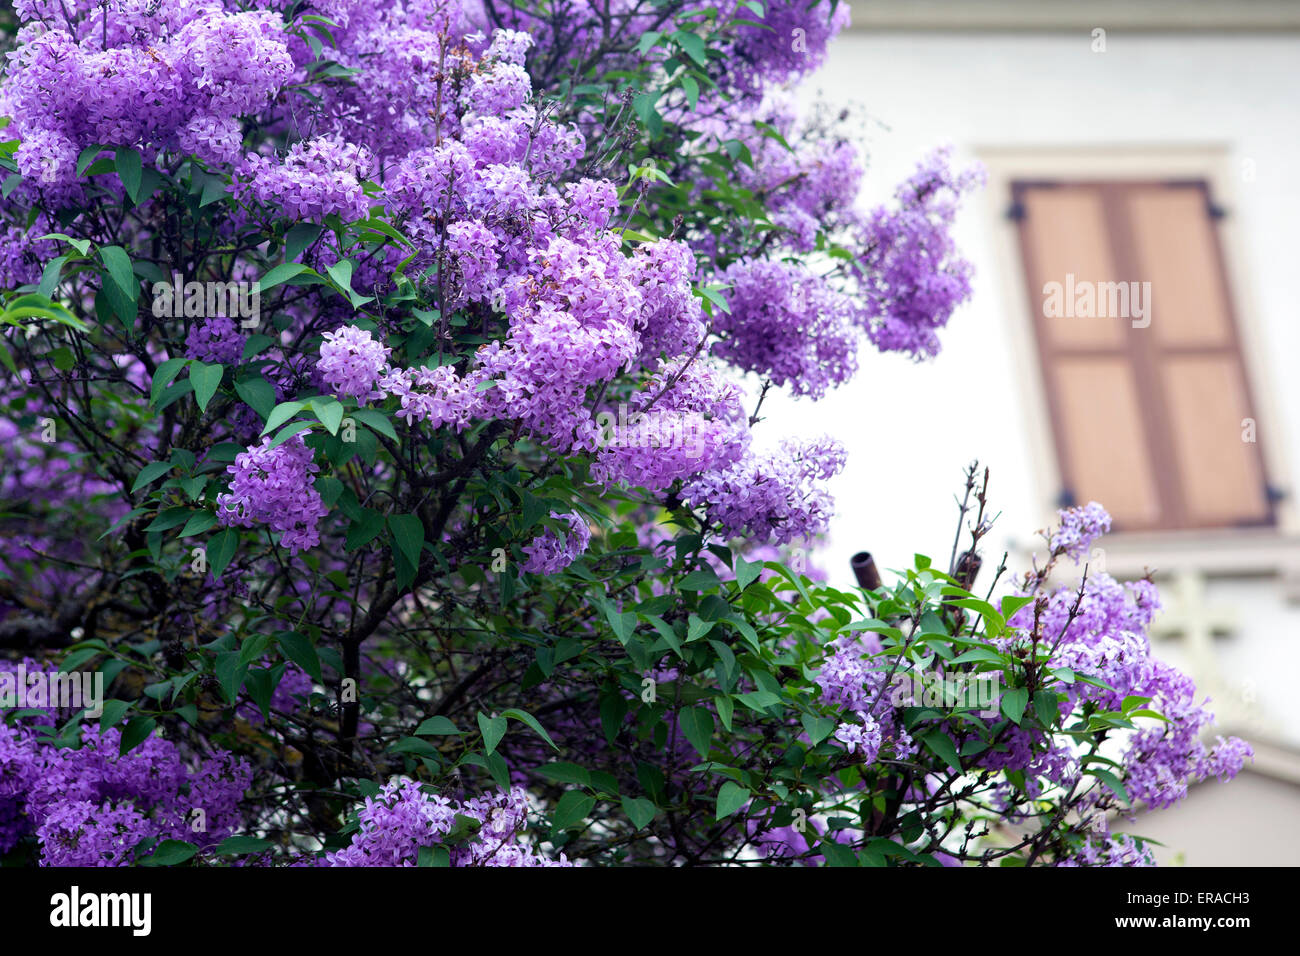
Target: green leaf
x,y
697,724
258,394
532,722
299,649
170,518
562,772
330,413
941,746
1113,782
1012,603
364,529
1014,702
731,797
613,709
281,414
206,379
167,371
114,711
129,170
341,273
818,728
691,87
230,672
297,239
281,274
726,707
492,729
50,276
693,44
220,549
87,156
408,536
118,264
240,845
437,727
151,473
136,731
199,522
701,580
571,809
639,810
747,572
375,420
170,853
697,628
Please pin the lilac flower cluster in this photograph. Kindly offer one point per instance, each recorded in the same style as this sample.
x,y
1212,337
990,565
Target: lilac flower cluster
x,y
550,551
90,805
352,363
437,396
686,420
772,495
318,178
786,42
787,325
274,487
910,274
402,818
853,682
475,172
179,76
217,339
1104,636
1118,849
1078,528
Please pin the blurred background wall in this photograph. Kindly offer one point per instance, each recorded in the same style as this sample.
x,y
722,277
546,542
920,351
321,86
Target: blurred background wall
x,y
1136,142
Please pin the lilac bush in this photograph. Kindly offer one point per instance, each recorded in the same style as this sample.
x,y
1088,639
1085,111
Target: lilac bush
x,y
434,531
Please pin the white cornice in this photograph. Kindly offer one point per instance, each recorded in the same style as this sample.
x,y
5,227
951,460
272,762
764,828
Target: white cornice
x,y
1070,15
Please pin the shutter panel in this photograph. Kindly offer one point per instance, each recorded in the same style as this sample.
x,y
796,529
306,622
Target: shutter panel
x,y
1146,420
1194,350
1092,390
1103,436
1066,227
1223,483
1176,252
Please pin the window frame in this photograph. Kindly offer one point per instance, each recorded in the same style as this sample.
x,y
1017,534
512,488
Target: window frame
x,y
1142,353
1248,551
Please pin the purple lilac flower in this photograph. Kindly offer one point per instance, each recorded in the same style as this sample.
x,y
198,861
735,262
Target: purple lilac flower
x,y
910,273
550,551
771,496
351,363
1079,527
274,487
217,339
395,824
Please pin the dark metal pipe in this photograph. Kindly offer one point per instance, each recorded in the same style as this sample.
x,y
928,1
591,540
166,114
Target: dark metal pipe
x,y
864,568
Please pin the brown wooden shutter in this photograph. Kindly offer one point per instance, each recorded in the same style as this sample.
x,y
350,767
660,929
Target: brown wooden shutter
x,y
1146,420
